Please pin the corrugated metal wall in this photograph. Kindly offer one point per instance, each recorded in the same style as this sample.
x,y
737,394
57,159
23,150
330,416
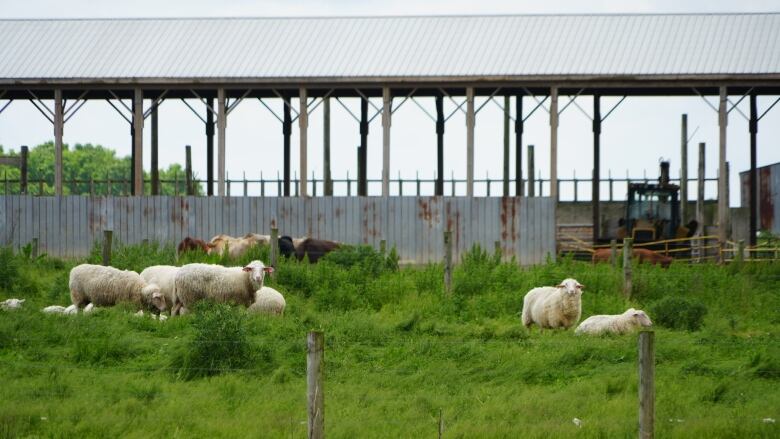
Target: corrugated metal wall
x,y
768,196
68,226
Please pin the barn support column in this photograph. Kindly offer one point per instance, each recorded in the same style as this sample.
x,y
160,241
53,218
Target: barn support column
x,y
596,197
58,128
470,120
519,145
303,124
753,193
439,145
387,108
553,144
221,127
723,202
155,171
286,131
684,170
138,142
328,182
506,146
362,152
209,147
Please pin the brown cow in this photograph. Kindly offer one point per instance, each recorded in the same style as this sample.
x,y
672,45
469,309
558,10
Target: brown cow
x,y
188,244
314,248
643,254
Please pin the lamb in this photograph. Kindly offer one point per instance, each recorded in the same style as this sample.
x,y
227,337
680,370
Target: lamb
x,y
162,276
268,301
10,304
107,286
553,307
614,324
57,309
195,282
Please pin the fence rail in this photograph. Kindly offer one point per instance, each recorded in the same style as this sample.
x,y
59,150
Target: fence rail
x,y
568,188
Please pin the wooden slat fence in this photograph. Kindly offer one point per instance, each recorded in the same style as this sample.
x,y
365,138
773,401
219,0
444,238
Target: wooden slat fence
x,y
68,226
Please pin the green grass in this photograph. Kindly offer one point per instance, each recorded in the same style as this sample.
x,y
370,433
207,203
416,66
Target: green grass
x,y
397,352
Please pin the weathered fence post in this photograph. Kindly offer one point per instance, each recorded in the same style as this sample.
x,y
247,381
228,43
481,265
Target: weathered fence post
x,y
646,384
23,170
34,249
497,248
383,246
188,169
274,246
441,424
448,262
613,252
315,353
739,256
107,235
628,252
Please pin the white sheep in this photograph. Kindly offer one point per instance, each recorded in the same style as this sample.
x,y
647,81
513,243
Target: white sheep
x,y
163,276
268,301
553,307
237,285
107,286
10,304
614,324
57,309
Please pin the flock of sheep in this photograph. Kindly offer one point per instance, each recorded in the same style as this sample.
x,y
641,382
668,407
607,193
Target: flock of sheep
x,y
178,289
561,307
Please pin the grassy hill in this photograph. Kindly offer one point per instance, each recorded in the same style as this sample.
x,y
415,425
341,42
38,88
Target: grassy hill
x,y
398,352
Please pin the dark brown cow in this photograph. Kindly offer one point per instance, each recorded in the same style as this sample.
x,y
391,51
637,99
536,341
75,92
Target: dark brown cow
x,y
643,254
189,244
315,249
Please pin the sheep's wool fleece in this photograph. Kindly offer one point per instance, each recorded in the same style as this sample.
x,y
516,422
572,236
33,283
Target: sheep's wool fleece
x,y
550,308
268,301
196,282
164,276
105,286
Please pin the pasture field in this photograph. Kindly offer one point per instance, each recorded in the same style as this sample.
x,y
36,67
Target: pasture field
x,y
398,353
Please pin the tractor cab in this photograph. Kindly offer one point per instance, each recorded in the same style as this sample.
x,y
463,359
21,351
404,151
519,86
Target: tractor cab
x,y
653,210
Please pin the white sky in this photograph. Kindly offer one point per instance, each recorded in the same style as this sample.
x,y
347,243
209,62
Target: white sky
x,y
634,137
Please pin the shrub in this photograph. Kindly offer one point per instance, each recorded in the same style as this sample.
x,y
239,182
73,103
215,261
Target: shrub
x,y
679,313
9,268
219,344
473,276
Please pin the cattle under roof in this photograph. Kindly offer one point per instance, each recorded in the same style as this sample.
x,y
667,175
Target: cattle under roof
x,y
743,49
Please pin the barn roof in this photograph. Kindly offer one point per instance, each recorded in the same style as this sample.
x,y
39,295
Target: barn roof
x,y
381,49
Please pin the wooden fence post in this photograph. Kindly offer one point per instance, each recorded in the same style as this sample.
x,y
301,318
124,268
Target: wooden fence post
x,y
613,252
497,247
448,262
441,424
628,252
383,246
23,170
274,253
646,384
739,256
34,250
315,354
107,236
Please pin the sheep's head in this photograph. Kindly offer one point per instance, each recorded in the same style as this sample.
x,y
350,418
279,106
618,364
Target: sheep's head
x,y
572,287
257,271
154,297
640,317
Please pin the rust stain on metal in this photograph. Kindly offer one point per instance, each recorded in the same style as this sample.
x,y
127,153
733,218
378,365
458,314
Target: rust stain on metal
x,y
766,207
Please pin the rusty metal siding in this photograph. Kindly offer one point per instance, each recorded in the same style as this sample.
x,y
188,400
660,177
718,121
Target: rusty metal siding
x,y
68,226
768,189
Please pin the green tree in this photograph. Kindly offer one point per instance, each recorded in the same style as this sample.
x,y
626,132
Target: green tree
x,y
84,162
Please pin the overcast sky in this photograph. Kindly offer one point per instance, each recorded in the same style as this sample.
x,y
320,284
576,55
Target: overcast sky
x,y
635,136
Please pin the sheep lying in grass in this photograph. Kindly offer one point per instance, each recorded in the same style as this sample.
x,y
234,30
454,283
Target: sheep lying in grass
x,y
57,309
614,324
107,286
268,301
163,276
10,304
237,285
553,307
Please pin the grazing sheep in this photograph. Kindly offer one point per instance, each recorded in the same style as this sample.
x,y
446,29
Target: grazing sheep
x,y
107,286
614,324
195,282
553,307
236,247
268,301
10,304
163,276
